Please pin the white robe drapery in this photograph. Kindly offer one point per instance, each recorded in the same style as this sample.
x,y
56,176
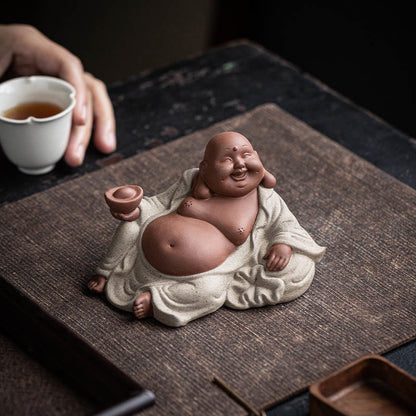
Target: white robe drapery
x,y
241,282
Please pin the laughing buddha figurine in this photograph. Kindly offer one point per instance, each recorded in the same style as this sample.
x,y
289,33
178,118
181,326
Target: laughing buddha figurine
x,y
219,236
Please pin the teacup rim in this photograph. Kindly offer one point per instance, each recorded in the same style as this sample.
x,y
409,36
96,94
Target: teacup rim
x,y
31,119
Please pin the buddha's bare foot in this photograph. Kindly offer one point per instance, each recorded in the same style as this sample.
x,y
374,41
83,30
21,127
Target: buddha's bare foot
x,y
97,284
142,307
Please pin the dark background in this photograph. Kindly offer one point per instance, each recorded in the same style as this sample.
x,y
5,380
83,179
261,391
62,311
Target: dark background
x,y
361,50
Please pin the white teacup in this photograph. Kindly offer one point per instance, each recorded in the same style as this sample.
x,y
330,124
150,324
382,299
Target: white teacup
x,y
36,144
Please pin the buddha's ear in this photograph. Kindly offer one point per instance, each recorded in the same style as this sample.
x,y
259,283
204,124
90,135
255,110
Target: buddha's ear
x,y
199,189
203,166
269,181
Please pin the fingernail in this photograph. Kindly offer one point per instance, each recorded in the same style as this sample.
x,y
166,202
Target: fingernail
x,y
79,154
84,114
111,140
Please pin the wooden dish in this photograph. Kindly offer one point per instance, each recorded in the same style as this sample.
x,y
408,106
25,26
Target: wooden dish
x,y
369,386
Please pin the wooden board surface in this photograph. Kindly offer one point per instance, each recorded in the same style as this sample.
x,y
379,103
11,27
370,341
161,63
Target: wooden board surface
x,y
361,301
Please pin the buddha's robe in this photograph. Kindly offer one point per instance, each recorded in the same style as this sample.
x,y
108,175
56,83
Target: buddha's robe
x,y
240,282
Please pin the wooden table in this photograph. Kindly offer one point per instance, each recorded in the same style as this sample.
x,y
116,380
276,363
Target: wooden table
x,y
163,105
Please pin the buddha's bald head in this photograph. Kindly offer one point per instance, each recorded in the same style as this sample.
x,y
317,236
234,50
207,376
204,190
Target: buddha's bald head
x,y
224,141
230,166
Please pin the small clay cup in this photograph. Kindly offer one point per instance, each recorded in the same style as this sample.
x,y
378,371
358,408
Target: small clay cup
x,y
124,199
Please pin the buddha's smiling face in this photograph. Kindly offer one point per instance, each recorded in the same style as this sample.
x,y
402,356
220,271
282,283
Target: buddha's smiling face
x,y
231,167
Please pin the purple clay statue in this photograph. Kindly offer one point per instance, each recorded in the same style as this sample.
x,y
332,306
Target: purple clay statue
x,y
219,236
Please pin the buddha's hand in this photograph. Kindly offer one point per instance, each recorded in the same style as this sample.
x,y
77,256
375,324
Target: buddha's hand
x,y
278,257
131,216
124,202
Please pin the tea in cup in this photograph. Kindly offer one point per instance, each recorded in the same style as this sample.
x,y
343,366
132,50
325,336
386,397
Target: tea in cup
x,y
35,121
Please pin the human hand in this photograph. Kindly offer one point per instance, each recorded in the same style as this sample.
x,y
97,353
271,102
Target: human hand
x,y
278,257
25,51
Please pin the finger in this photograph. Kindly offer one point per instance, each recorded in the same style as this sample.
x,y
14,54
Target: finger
x,y
71,70
79,139
51,58
280,263
269,260
34,53
267,255
285,263
5,59
104,120
116,215
271,264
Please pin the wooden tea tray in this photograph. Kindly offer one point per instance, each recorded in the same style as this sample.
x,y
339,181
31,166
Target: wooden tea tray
x,y
368,386
361,300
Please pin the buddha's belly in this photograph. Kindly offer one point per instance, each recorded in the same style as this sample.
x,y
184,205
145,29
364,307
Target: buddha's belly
x,y
181,246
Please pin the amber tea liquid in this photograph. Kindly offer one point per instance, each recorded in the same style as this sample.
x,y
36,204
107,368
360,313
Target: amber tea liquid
x,y
32,109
